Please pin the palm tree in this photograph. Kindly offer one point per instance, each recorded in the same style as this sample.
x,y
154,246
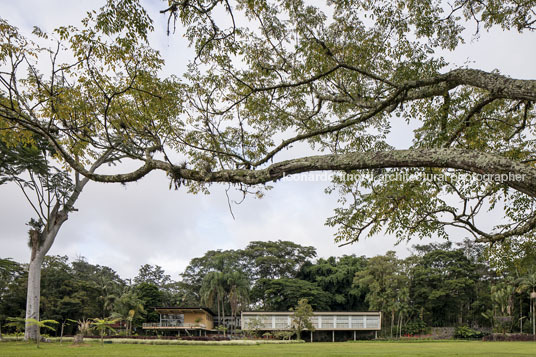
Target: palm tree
x,y
528,283
17,321
127,307
103,325
213,289
109,292
238,284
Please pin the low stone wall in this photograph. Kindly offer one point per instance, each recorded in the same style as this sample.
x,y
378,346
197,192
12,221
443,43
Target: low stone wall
x,y
442,333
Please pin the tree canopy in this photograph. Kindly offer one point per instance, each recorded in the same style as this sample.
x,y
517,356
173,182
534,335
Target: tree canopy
x,y
284,87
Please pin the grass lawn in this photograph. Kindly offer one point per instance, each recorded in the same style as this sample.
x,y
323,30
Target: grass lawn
x,y
428,348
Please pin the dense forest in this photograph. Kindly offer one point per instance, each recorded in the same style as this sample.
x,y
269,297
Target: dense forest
x,y
439,284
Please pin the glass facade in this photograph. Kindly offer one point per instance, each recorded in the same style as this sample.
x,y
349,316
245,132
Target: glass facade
x,y
321,321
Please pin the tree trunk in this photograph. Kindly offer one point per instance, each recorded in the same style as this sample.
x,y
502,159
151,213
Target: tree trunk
x,y
533,318
392,321
521,315
61,333
41,243
400,325
219,316
223,314
31,331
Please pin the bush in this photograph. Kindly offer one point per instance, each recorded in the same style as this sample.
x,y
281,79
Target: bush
x,y
206,338
509,337
465,332
416,327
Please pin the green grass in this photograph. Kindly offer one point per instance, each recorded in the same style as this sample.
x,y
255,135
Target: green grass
x,y
428,348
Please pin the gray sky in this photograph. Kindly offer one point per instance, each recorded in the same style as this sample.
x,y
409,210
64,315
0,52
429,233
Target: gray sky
x,y
126,226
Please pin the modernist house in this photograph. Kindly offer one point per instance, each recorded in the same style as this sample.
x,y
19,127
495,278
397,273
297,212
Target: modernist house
x,y
340,322
187,319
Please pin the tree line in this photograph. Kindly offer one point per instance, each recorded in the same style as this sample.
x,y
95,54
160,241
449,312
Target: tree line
x,y
439,284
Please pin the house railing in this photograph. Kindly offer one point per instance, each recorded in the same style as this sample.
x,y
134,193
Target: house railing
x,y
165,324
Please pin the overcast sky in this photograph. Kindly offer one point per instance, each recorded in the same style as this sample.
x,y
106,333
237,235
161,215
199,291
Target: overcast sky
x,y
126,226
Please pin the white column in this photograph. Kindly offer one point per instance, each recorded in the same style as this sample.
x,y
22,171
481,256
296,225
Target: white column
x,y
273,321
365,321
319,321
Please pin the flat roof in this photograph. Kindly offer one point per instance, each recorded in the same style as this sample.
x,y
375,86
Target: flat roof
x,y
368,313
173,309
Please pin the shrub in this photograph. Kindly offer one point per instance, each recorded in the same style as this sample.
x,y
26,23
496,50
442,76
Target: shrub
x,y
466,332
206,338
414,328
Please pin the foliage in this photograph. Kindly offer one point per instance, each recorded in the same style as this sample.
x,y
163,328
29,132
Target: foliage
x,y
301,319
411,293
21,323
466,332
84,327
103,326
153,275
335,78
335,276
444,281
128,308
415,327
281,294
284,335
254,326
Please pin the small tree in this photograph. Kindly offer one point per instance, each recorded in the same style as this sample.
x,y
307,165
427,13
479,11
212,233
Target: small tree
x,y
284,335
63,324
222,328
254,326
84,326
103,325
302,317
20,322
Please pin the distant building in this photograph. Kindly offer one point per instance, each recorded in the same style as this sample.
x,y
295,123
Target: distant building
x,y
328,325
188,319
340,322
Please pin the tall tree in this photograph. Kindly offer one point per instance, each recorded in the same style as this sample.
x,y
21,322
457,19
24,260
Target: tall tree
x,y
212,261
52,194
154,275
276,259
238,294
12,276
385,279
527,283
282,294
444,284
128,308
335,276
51,109
213,291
